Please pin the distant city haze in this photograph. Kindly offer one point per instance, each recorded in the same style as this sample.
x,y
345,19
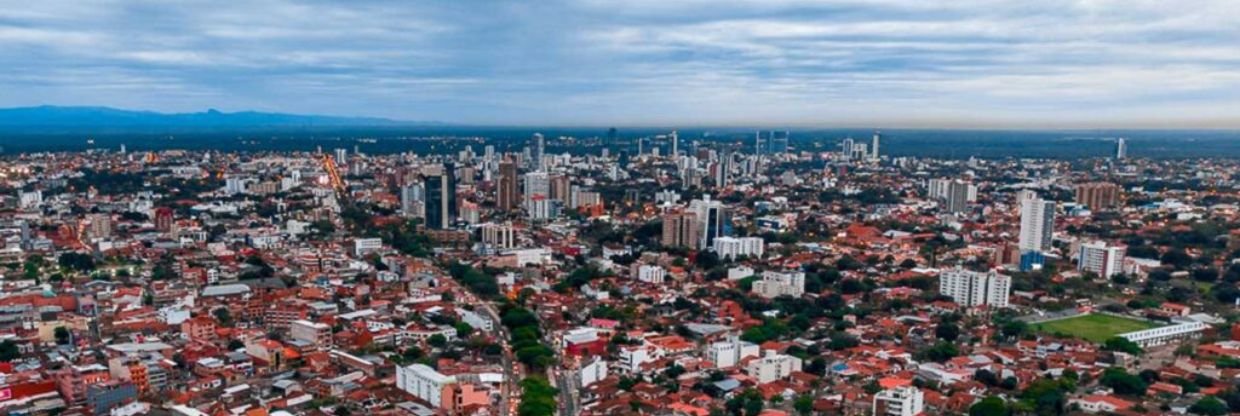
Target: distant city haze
x,y
786,63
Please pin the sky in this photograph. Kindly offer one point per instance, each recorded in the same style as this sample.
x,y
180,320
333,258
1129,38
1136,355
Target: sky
x,y
790,63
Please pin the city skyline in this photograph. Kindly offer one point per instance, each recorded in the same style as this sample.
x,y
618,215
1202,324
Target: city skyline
x,y
972,64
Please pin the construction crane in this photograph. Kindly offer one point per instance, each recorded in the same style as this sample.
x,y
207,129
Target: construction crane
x,y
333,174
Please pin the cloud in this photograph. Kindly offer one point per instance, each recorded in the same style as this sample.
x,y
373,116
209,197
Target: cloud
x,y
768,62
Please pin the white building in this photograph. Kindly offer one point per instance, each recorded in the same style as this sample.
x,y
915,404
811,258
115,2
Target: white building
x,y
537,185
1167,334
1101,259
900,401
363,246
1037,223
776,284
476,320
730,352
733,247
970,288
772,366
500,236
316,333
740,272
650,274
423,382
632,357
593,372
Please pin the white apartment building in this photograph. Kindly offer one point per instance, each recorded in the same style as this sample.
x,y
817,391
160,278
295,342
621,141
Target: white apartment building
x,y
776,284
363,246
772,366
650,274
1037,223
593,372
733,247
970,288
316,333
730,352
1101,259
423,382
900,401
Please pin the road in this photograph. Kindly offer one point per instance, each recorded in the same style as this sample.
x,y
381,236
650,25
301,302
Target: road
x,y
569,397
510,392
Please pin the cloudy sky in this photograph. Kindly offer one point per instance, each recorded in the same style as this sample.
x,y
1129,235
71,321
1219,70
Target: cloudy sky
x,y
890,63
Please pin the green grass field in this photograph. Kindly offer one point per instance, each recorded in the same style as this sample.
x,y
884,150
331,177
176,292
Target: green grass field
x,y
1093,327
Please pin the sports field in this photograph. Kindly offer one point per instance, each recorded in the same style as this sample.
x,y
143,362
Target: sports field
x,y
1093,327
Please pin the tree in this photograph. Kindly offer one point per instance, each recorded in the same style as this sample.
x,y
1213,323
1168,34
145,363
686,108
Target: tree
x,y
62,335
223,316
804,404
990,406
986,377
947,331
9,351
538,397
940,352
235,344
1014,328
76,261
1122,382
437,341
1209,406
1122,344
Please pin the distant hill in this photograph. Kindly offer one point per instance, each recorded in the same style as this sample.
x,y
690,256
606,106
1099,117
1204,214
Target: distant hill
x,y
56,119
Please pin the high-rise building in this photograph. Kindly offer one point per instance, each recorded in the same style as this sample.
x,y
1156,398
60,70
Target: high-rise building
x,y
874,147
559,187
1121,149
899,401
441,198
1101,259
100,225
846,148
680,229
714,220
970,288
539,149
955,194
163,219
411,200
500,236
675,144
733,247
507,197
1098,195
1037,223
537,185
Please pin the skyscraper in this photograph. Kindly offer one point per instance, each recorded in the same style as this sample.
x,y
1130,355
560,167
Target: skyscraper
x,y
441,198
1097,195
874,147
537,185
846,148
506,194
714,220
411,199
680,229
1037,223
675,145
1121,149
540,148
